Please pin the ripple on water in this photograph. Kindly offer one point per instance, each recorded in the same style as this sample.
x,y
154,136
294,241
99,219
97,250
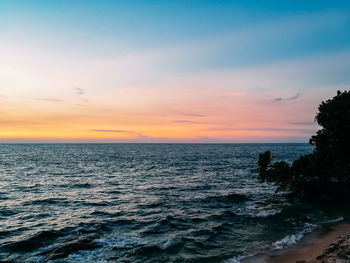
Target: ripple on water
x,y
140,202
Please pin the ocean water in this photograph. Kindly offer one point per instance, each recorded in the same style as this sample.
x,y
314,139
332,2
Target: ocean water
x,y
145,203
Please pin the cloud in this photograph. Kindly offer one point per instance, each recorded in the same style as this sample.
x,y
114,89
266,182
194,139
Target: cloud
x,y
304,123
188,114
20,122
264,129
49,99
187,121
142,136
79,91
38,98
198,139
138,135
83,102
117,131
294,97
194,115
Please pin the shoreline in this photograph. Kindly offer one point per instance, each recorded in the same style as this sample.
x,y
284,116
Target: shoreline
x,y
329,243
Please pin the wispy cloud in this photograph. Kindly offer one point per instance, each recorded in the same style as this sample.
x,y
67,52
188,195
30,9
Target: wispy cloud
x,y
138,135
79,91
194,115
175,84
188,121
277,129
277,99
117,131
49,99
187,114
21,122
296,96
304,123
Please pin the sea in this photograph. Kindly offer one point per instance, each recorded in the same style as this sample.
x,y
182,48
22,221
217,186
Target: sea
x,y
147,203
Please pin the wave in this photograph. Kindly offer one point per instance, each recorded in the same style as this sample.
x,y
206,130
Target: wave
x,y
121,242
119,245
4,197
229,198
277,245
98,203
82,185
254,212
32,242
157,248
151,205
7,212
46,201
68,246
292,239
266,213
169,243
106,213
238,259
169,219
100,250
333,220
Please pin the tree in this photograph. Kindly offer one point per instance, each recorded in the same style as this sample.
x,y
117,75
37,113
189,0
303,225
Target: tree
x,y
325,173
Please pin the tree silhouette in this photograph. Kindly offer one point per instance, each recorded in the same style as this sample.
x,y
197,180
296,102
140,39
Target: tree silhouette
x,y
325,173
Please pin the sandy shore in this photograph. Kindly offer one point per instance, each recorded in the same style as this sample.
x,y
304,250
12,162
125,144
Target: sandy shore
x,y
329,244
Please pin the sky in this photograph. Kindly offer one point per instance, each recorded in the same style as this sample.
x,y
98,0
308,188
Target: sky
x,y
169,71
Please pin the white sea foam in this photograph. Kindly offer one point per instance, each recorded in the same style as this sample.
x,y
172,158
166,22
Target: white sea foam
x,y
334,220
280,244
87,256
108,244
287,240
121,242
169,243
292,239
253,212
238,259
266,213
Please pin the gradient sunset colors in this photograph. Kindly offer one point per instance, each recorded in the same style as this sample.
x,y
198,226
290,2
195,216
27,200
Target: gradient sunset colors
x,y
169,71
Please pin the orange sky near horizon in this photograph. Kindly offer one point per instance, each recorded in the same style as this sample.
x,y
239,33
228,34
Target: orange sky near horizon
x,y
73,76
153,114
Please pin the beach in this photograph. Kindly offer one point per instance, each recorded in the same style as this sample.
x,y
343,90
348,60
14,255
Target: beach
x,y
328,244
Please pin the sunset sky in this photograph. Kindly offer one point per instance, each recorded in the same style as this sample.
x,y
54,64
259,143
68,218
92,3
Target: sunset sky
x,y
169,71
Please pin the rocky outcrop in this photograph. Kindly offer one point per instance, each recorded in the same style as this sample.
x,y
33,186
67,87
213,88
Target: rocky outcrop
x,y
338,252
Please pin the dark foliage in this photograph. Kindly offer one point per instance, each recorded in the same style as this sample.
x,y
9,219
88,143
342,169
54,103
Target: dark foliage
x,y
324,174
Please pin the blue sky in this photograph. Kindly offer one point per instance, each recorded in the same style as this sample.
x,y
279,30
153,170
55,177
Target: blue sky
x,y
265,50
232,33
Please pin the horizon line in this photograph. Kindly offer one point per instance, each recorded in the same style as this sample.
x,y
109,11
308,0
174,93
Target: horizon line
x,y
261,142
